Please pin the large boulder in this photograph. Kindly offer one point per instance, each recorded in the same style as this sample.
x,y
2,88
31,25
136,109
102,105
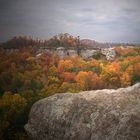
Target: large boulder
x,y
90,115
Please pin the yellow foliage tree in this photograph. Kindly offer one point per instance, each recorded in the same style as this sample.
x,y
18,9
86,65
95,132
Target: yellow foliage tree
x,y
88,80
111,75
65,65
10,105
125,79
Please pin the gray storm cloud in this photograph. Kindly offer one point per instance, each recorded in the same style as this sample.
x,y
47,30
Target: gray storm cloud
x,y
111,20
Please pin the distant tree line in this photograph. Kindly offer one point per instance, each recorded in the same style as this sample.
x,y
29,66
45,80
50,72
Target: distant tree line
x,y
61,40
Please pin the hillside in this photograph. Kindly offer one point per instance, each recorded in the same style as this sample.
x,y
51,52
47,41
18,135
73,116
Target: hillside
x,y
94,44
65,45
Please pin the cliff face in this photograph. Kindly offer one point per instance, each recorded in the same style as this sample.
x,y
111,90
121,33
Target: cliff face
x,y
90,115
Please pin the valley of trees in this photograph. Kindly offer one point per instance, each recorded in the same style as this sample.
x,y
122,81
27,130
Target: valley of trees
x,y
26,78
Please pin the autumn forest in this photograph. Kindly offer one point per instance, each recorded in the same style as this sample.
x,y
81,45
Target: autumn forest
x,y
26,76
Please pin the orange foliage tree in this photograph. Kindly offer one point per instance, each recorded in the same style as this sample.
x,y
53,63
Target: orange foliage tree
x,y
88,80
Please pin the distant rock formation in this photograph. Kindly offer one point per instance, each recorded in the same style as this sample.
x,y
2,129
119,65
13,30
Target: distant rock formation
x,y
109,53
90,115
62,52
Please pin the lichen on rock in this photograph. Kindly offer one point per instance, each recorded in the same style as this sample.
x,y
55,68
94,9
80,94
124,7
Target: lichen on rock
x,y
90,115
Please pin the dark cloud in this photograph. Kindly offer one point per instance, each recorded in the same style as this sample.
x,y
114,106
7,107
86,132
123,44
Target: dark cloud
x,y
96,19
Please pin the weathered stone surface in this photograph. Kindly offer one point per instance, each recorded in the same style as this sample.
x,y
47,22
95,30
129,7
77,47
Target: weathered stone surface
x,y
90,115
110,53
88,53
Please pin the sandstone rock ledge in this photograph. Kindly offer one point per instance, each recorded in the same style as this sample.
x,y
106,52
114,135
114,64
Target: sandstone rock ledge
x,y
90,115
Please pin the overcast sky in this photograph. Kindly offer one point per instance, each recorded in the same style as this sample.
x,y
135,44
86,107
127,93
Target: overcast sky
x,y
101,20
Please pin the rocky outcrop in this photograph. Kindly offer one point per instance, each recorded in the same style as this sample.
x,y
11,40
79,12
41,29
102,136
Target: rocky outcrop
x,y
90,115
62,52
89,53
109,53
